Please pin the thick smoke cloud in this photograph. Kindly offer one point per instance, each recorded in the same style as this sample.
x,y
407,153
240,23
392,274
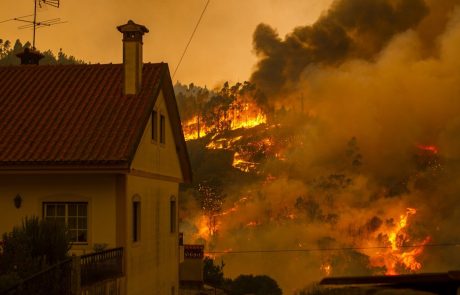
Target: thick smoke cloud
x,y
349,29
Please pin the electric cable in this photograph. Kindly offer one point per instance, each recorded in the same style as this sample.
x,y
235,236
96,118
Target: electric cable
x,y
438,245
191,37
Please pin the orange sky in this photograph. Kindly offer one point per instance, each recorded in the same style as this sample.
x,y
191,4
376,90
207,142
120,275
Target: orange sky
x,y
220,51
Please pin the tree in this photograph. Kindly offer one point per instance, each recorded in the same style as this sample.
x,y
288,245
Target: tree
x,y
4,47
257,285
210,197
8,55
34,245
213,275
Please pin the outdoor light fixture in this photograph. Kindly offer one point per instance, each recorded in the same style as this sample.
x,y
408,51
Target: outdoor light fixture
x,y
17,201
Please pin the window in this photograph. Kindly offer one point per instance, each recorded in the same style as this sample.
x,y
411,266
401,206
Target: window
x,y
136,221
172,214
73,215
162,129
154,125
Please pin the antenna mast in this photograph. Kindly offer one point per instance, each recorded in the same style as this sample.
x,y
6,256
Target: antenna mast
x,y
35,23
38,24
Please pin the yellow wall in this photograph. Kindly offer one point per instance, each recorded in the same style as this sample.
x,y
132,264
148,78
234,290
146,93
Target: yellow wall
x,y
98,190
152,262
154,157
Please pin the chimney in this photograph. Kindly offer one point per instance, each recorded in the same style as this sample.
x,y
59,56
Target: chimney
x,y
30,56
132,56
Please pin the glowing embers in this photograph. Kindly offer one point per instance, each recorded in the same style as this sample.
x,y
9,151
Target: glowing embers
x,y
428,148
222,143
401,251
240,163
248,156
326,269
209,222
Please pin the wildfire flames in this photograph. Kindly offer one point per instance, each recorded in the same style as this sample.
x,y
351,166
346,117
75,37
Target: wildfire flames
x,y
345,139
245,115
401,252
395,252
326,268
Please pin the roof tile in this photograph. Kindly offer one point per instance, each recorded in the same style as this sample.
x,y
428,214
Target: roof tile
x,y
71,115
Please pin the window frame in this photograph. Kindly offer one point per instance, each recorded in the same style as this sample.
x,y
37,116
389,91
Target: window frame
x,y
172,215
162,129
154,125
66,216
136,221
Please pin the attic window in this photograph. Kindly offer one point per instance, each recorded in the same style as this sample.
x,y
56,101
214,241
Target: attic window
x,y
162,129
154,126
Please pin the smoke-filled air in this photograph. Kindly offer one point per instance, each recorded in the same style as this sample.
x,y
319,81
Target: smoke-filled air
x,y
341,155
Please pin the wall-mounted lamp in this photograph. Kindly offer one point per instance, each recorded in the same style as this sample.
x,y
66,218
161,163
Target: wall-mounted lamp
x,y
17,201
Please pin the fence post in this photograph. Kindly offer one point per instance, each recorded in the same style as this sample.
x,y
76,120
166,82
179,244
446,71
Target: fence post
x,y
76,276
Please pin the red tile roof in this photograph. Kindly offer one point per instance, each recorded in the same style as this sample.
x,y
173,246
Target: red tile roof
x,y
76,116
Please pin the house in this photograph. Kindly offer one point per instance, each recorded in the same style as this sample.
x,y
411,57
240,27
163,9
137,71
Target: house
x,y
191,270
101,149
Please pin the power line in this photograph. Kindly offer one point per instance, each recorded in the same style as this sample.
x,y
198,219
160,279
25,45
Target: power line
x,y
191,37
439,245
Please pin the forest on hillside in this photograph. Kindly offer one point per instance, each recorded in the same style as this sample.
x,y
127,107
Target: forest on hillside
x,y
8,52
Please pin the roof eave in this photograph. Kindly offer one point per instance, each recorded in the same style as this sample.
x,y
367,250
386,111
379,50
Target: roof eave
x,y
120,168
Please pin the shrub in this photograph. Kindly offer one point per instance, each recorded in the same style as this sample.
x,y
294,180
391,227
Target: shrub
x,y
33,246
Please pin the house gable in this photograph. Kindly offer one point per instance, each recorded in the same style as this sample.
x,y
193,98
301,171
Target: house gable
x,y
164,102
153,157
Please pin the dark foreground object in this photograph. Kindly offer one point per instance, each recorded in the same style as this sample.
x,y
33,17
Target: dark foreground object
x,y
438,283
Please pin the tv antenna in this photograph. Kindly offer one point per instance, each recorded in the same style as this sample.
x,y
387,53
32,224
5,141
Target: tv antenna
x,y
35,24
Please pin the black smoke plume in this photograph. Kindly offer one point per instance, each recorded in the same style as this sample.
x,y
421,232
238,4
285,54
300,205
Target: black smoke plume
x,y
349,29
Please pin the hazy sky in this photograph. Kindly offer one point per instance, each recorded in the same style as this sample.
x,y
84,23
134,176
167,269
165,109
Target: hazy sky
x,y
221,49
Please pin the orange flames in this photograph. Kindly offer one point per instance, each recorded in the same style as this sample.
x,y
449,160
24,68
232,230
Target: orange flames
x,y
326,268
400,254
247,115
428,148
209,225
194,128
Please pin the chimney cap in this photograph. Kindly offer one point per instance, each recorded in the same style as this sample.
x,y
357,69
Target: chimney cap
x,y
132,27
30,56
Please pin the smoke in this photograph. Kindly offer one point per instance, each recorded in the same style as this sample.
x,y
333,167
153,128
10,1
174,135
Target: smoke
x,y
375,86
350,29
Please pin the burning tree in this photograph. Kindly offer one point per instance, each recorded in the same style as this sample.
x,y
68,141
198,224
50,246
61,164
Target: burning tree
x,y
229,108
191,100
210,197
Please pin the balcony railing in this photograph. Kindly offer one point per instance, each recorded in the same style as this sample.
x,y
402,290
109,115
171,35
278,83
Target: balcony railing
x,y
194,251
101,266
70,275
55,280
